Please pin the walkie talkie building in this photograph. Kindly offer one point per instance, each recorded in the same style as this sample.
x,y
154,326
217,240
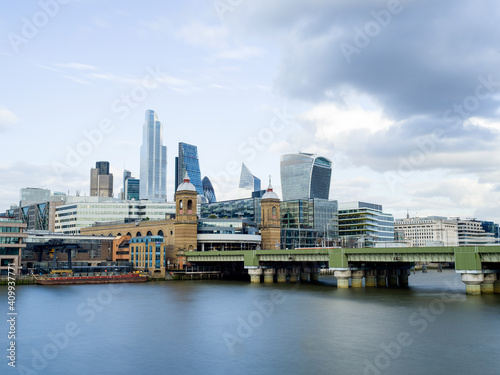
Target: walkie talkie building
x,y
305,176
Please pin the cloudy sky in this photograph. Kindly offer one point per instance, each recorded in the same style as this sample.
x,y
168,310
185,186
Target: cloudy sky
x,y
403,97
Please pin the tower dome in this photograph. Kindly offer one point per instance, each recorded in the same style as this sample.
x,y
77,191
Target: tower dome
x,y
186,185
270,194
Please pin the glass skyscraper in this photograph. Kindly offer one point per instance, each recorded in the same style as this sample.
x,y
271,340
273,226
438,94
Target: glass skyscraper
x,y
132,189
305,176
187,161
153,180
248,183
208,190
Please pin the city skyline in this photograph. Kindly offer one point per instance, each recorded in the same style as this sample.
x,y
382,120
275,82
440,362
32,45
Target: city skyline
x,y
417,130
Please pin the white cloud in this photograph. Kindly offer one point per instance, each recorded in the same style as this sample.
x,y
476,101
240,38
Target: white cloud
x,y
7,118
77,80
198,34
76,66
333,121
241,53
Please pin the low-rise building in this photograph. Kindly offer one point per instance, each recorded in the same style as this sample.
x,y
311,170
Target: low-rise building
x,y
364,224
12,238
472,233
428,231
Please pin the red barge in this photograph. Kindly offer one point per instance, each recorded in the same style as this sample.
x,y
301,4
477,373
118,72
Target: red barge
x,y
102,279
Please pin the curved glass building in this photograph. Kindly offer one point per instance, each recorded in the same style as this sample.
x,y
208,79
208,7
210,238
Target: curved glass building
x,y
208,190
153,181
248,183
305,176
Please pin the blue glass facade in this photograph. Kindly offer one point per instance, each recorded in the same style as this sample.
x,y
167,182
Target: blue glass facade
x,y
305,176
187,161
248,183
153,179
132,188
208,190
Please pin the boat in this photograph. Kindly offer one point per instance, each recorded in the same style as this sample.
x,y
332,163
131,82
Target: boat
x,y
101,279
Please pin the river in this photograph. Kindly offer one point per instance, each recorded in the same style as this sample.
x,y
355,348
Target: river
x,y
233,327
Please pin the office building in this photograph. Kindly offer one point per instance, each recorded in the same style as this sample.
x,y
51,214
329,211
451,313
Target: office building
x,y
132,189
101,181
309,223
153,175
187,161
364,224
428,231
491,227
126,175
208,190
305,176
471,233
12,241
33,195
248,183
71,217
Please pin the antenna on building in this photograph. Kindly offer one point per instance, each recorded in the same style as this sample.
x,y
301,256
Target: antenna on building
x,y
407,213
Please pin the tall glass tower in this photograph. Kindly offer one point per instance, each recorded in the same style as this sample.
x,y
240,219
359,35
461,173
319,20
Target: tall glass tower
x,y
248,183
187,161
305,176
153,180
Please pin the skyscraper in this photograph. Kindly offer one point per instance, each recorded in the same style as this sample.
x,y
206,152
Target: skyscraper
x,y
305,176
208,190
153,185
101,181
248,183
187,161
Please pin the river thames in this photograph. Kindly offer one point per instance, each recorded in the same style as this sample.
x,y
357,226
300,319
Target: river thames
x,y
233,327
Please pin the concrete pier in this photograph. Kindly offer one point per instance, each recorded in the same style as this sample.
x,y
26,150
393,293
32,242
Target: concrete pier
x,y
294,275
357,278
404,274
370,278
392,278
281,275
472,283
255,274
487,284
496,286
382,278
314,275
304,275
269,275
342,278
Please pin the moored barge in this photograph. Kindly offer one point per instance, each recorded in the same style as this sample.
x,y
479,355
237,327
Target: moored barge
x,y
102,279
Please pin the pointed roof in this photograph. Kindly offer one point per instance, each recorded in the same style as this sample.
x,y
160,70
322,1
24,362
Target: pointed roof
x,y
186,185
270,194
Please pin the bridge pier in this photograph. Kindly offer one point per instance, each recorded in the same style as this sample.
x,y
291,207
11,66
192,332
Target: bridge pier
x,y
281,278
487,284
382,278
314,275
342,278
255,274
294,275
496,286
403,277
472,283
269,275
304,275
357,278
371,278
393,278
